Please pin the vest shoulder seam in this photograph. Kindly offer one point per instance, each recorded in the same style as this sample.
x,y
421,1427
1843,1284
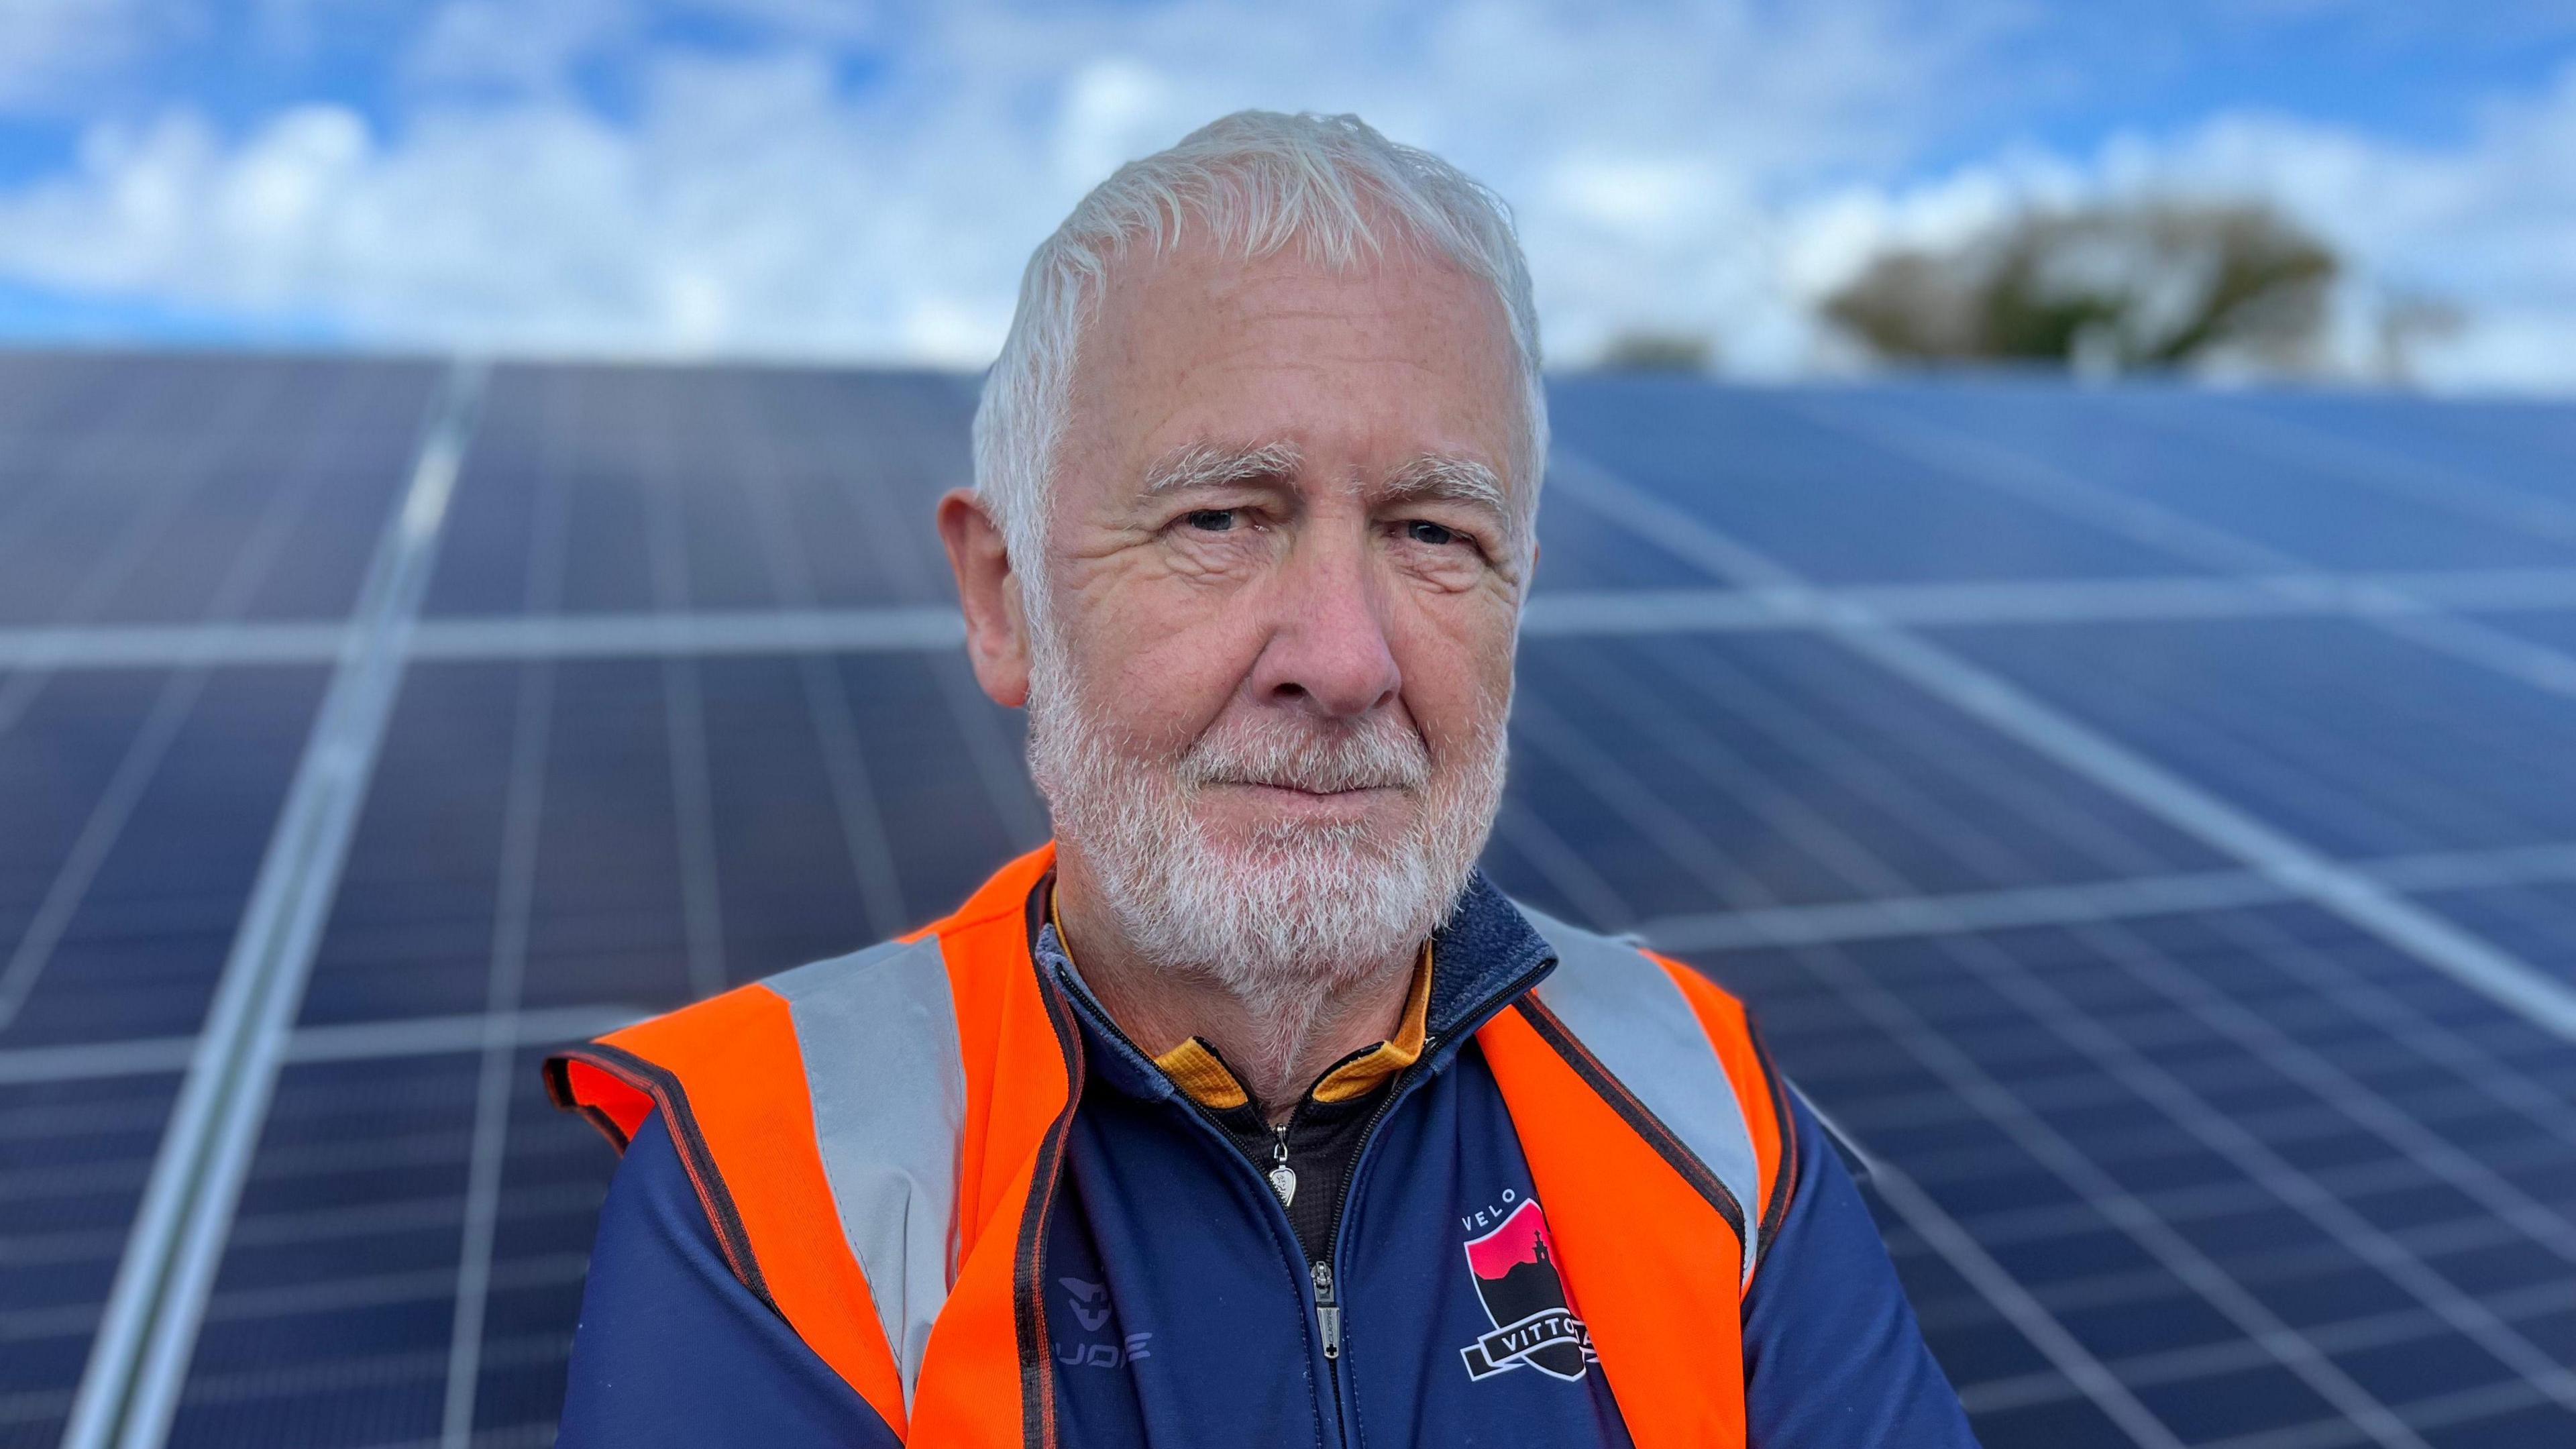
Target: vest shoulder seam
x,y
1615,1009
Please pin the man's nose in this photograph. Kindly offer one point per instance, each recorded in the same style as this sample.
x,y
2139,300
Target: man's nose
x,y
1328,650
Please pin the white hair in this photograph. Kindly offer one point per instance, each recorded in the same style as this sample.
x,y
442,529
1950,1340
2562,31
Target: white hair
x,y
1259,182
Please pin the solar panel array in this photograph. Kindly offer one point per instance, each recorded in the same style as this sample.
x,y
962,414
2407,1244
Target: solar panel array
x,y
2144,819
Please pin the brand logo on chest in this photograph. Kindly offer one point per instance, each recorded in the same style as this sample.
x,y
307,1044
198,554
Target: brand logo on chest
x,y
1091,1311
1514,1269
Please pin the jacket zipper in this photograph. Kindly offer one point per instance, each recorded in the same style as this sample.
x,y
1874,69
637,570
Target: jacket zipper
x,y
1329,1298
1328,1318
1328,1315
1329,1302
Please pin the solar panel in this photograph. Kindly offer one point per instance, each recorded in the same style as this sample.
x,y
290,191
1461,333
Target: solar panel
x,y
181,490
2246,483
2557,630
2360,743
1805,483
2144,820
709,490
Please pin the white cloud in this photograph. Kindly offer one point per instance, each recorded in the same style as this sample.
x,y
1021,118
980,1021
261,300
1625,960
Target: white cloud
x,y
1671,173
755,204
518,44
50,49
1112,111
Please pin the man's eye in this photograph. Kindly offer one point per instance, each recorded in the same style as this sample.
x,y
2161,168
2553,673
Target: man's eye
x,y
1424,531
1212,520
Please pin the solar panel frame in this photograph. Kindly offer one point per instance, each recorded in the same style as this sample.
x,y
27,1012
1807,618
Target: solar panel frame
x,y
2170,1151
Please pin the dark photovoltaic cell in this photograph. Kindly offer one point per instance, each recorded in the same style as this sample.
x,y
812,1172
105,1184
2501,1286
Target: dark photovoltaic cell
x,y
2221,466
205,488
74,1156
2359,743
140,803
710,489
136,804
1793,477
1654,778
1578,548
331,1318
2555,629
2172,1144
658,873
2481,453
2263,1171
2535,919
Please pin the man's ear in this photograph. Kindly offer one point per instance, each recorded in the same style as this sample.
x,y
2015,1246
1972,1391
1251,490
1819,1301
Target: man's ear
x,y
988,589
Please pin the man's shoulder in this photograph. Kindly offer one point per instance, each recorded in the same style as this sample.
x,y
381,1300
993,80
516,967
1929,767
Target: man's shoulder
x,y
1570,939
909,972
853,1001
887,965
1622,968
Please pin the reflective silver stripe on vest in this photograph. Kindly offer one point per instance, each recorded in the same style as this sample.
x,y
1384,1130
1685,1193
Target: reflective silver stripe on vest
x,y
878,1032
1622,1006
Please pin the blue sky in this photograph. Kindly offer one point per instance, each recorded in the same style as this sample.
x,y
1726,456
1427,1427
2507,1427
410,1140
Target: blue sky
x,y
813,178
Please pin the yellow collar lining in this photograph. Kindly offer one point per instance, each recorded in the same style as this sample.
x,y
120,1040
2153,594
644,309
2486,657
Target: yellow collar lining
x,y
1199,1071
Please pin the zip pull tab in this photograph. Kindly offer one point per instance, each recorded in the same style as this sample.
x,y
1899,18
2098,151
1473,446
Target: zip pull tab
x,y
1328,1314
1283,1178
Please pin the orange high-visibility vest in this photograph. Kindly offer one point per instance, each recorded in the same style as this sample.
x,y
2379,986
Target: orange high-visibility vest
x,y
877,1141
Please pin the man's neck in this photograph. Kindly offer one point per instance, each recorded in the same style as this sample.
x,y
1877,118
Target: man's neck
x,y
1276,1049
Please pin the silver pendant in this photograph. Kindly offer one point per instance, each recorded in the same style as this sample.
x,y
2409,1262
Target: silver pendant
x,y
1283,1181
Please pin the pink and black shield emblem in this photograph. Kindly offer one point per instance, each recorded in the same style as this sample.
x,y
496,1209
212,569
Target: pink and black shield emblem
x,y
1514,1267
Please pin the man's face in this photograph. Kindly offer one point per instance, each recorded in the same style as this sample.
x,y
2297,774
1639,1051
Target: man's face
x,y
1285,565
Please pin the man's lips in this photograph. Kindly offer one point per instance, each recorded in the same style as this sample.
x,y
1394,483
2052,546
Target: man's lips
x,y
1269,787
1296,800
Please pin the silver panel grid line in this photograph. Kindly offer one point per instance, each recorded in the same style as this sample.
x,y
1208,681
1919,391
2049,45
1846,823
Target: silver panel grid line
x,y
2063,1350
2180,1260
1877,917
135,536
2095,756
358,1041
1974,461
2077,785
1562,613
2454,490
2118,1054
854,793
249,568
149,1325
522,819
684,703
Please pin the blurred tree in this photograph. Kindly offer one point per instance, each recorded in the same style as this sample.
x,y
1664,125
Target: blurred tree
x,y
1657,352
2140,285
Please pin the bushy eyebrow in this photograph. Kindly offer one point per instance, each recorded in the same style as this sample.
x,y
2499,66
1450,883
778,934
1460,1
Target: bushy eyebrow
x,y
1434,477
1214,465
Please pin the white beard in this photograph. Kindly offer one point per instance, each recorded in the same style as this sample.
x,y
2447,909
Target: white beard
x,y
1285,920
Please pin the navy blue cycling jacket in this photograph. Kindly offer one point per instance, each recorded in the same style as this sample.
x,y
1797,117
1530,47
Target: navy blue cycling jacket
x,y
1178,1303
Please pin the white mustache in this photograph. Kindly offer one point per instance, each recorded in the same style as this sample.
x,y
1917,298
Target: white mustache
x,y
1377,757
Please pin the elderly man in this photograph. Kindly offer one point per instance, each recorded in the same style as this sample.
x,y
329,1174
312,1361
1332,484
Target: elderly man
x,y
1247,1112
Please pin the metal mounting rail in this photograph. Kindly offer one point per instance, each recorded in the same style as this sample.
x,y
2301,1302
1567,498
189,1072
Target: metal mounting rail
x,y
149,1327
